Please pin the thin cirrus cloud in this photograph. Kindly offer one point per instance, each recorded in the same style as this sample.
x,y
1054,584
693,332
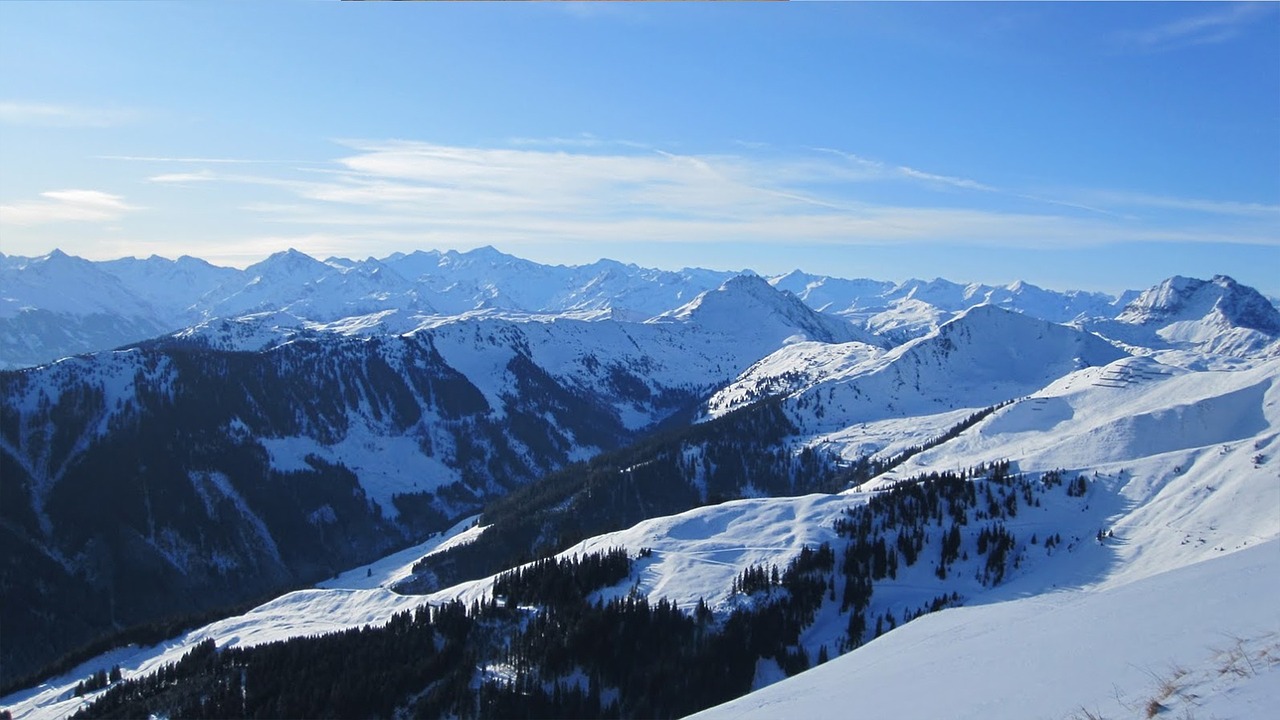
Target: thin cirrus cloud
x,y
963,183
414,190
66,206
878,170
1223,23
439,181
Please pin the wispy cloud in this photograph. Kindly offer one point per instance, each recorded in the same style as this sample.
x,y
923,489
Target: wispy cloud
x,y
183,177
53,115
1191,205
957,182
879,170
1221,24
408,193
66,206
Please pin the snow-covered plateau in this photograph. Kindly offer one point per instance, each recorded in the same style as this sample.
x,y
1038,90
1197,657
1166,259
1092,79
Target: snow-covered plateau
x,y
1079,494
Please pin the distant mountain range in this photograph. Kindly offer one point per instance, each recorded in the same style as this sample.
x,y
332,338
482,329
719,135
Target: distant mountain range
x,y
58,305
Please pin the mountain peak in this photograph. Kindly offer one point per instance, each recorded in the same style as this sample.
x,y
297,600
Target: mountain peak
x,y
1180,299
488,253
290,260
749,298
750,282
292,253
57,258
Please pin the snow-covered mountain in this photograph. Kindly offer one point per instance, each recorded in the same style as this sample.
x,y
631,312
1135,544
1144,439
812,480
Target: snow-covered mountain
x,y
1165,611
1217,316
986,463
292,282
834,295
917,307
1150,583
174,289
55,306
774,315
983,357
486,278
58,305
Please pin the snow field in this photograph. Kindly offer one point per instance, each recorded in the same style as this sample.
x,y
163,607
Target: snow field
x,y
1068,654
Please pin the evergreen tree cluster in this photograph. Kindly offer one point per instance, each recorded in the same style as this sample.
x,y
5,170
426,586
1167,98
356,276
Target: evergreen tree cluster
x,y
563,581
357,673
627,657
965,511
98,681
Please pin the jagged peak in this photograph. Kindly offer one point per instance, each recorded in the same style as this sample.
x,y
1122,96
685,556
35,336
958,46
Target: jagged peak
x,y
747,280
59,261
56,258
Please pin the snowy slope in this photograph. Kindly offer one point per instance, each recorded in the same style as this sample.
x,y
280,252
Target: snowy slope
x,y
1179,596
1191,455
1202,641
1097,628
983,357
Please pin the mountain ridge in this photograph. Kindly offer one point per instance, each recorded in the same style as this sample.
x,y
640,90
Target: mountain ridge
x,y
138,299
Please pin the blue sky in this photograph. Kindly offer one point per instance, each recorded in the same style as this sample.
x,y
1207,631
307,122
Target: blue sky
x,y
1076,145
